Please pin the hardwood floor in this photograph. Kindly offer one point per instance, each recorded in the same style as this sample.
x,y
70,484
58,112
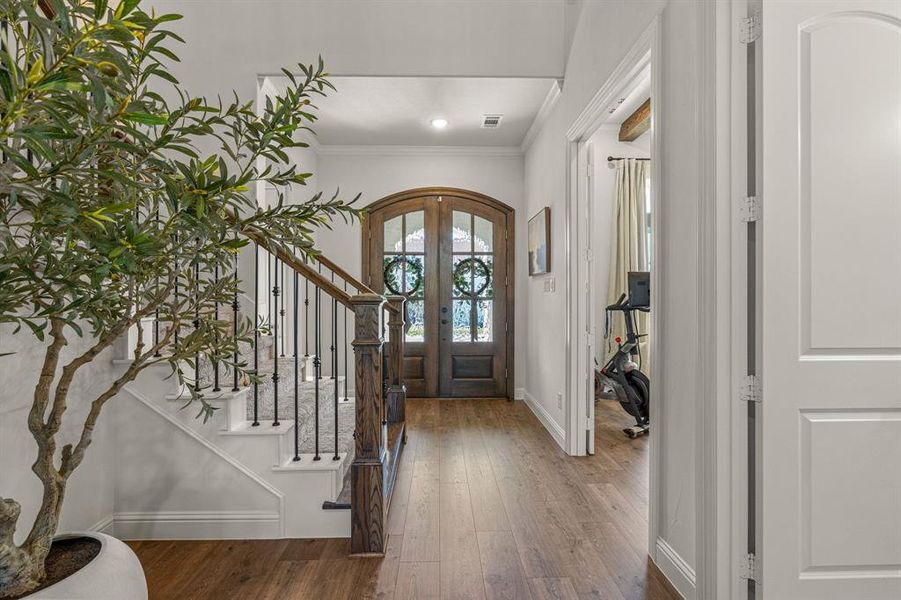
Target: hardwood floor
x,y
486,506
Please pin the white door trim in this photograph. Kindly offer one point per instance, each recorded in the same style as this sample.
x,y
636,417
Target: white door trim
x,y
645,51
718,463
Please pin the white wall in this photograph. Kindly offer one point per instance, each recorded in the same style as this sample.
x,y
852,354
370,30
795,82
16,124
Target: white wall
x,y
378,173
605,142
605,32
89,495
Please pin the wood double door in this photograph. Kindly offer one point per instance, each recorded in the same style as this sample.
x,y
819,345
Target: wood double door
x,y
450,253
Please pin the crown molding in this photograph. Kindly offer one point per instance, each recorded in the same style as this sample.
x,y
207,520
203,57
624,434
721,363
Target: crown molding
x,y
544,112
324,150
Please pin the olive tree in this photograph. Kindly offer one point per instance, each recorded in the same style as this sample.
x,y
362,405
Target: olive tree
x,y
111,212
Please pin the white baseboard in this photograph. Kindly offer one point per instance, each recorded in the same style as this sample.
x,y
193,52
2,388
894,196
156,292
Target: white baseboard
x,y
553,427
519,394
676,569
104,525
199,525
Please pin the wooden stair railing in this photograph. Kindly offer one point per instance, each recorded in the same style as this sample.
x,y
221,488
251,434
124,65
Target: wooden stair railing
x,y
380,429
379,432
395,390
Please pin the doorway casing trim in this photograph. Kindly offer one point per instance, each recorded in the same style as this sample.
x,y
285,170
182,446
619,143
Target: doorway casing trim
x,y
714,522
645,52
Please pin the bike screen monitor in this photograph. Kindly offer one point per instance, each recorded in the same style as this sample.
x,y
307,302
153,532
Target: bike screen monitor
x,y
640,289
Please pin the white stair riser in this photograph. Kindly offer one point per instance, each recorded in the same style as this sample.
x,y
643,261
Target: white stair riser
x,y
304,490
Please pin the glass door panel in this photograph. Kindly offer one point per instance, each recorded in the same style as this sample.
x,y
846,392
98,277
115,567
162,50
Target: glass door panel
x,y
404,267
473,267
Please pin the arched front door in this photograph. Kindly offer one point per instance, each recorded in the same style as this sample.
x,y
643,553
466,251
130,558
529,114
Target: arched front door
x,y
450,252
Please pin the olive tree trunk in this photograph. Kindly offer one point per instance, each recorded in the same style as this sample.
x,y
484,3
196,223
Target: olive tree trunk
x,y
22,567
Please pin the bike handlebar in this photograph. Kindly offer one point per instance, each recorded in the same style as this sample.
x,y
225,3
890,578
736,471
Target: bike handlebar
x,y
622,304
618,305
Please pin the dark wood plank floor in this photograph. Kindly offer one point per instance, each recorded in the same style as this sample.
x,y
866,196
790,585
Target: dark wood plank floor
x,y
486,506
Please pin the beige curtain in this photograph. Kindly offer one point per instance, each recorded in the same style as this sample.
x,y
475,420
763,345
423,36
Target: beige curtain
x,y
629,252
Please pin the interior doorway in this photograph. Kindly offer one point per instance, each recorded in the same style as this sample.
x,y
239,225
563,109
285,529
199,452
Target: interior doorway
x,y
450,253
620,241
612,223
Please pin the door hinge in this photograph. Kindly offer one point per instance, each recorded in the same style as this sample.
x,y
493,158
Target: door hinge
x,y
506,373
749,29
506,326
589,254
748,568
749,210
750,389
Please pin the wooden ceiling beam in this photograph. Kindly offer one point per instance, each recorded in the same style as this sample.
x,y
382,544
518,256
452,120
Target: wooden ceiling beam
x,y
637,123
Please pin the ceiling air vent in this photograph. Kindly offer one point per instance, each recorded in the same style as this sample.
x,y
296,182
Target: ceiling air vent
x,y
491,121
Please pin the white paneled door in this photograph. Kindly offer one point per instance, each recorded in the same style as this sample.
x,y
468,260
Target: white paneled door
x,y
831,300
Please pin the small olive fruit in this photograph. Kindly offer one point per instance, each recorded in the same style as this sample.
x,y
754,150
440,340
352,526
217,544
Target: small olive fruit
x,y
108,68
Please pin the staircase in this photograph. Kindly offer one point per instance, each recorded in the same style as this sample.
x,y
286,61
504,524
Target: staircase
x,y
307,448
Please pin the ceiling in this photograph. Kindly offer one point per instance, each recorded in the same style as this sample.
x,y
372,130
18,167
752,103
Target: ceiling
x,y
397,111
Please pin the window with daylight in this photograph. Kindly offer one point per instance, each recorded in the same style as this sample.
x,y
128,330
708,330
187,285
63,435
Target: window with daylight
x,y
473,270
404,268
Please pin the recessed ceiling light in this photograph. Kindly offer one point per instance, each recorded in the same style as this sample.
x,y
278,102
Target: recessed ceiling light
x,y
439,123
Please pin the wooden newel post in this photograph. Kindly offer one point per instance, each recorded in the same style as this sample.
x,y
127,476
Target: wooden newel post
x,y
396,395
368,503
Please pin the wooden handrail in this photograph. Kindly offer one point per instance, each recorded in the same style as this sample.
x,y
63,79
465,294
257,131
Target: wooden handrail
x,y
328,264
303,269
353,281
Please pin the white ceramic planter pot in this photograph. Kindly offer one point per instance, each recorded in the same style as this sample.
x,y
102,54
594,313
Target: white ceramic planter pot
x,y
114,574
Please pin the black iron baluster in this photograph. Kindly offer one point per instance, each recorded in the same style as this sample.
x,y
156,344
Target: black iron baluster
x,y
275,295
317,360
156,321
282,311
269,283
216,319
316,366
306,320
156,332
4,32
296,376
235,307
175,322
346,377
335,366
333,349
196,320
256,334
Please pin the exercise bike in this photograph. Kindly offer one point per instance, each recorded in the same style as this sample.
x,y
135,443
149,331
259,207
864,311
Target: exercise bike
x,y
631,387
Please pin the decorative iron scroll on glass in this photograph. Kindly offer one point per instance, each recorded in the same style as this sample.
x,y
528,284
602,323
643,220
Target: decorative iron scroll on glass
x,y
469,273
403,275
